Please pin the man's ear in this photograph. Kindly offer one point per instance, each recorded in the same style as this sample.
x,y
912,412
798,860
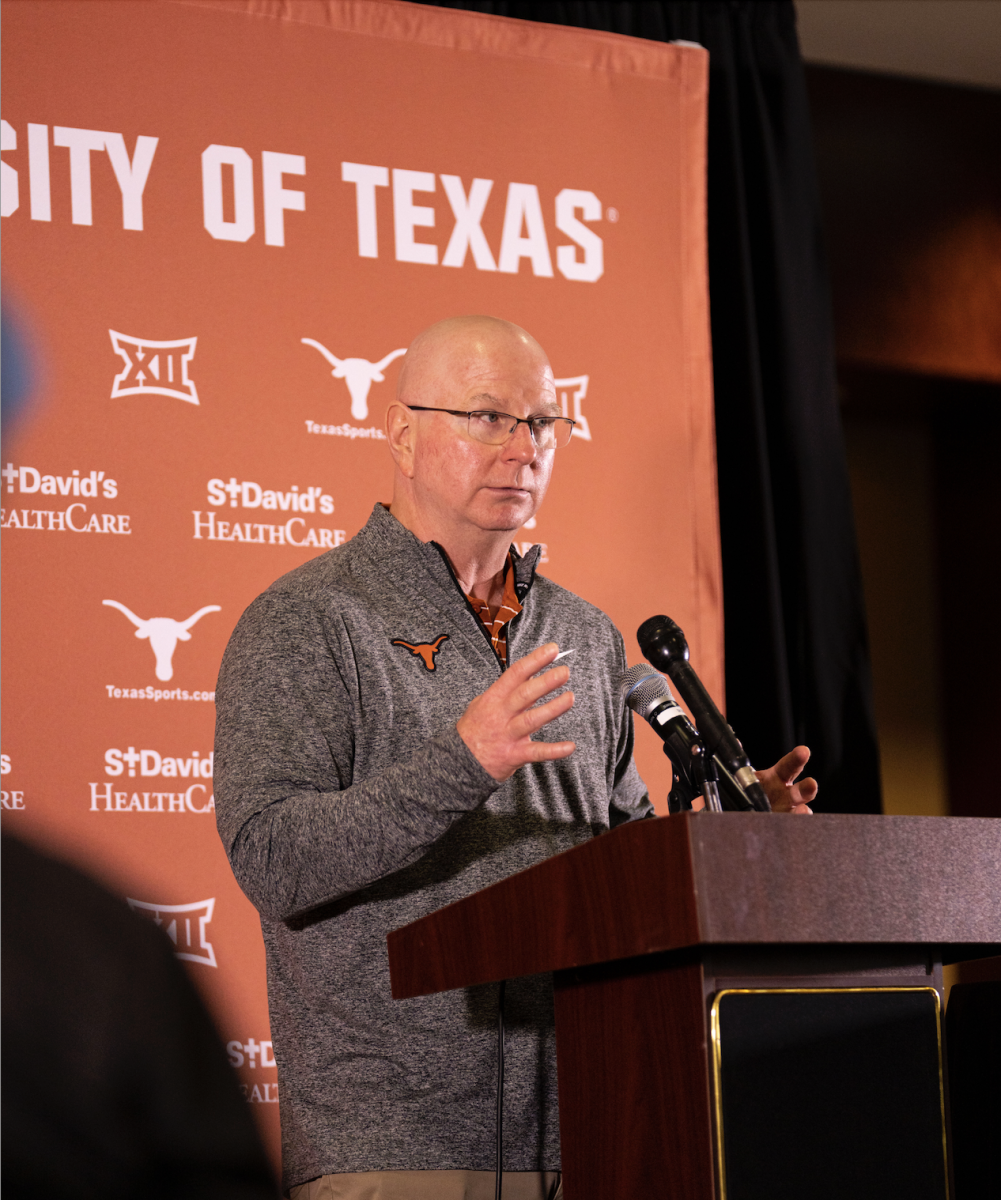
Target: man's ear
x,y
401,433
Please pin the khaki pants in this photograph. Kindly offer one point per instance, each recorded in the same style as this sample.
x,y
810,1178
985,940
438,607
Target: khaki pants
x,y
430,1185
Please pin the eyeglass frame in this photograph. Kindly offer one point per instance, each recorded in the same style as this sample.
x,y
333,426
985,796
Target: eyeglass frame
x,y
472,412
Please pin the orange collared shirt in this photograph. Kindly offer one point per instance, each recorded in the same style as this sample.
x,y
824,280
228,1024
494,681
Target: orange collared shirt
x,y
510,606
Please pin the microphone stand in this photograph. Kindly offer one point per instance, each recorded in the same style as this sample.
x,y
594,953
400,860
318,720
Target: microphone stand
x,y
707,777
698,776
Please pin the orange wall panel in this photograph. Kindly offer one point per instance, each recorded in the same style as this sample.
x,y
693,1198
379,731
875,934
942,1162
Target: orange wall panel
x,y
171,355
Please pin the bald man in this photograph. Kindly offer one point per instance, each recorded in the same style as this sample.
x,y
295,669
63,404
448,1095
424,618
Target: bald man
x,y
378,755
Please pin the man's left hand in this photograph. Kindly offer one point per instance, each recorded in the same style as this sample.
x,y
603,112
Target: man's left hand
x,y
781,788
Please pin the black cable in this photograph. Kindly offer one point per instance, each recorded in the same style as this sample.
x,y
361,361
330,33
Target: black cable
x,y
499,1173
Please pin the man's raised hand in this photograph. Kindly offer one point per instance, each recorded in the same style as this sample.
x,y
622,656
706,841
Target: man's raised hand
x,y
781,788
498,725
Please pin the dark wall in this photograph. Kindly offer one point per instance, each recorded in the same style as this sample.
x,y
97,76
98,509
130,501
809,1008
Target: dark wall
x,y
910,178
967,428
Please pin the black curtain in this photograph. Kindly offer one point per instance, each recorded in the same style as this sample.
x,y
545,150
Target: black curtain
x,y
797,659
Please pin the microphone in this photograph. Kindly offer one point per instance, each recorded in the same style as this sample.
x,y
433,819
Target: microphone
x,y
649,695
664,646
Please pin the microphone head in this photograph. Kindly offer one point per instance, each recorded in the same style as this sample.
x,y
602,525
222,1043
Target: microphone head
x,y
644,690
662,642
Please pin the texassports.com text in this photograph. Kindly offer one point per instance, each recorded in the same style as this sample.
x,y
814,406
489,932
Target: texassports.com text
x,y
152,693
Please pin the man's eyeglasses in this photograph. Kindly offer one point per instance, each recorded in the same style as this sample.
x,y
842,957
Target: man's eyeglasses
x,y
494,428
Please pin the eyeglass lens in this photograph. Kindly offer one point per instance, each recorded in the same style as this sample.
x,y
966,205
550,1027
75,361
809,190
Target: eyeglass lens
x,y
547,432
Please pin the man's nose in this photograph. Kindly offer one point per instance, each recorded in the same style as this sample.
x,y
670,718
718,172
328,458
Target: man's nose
x,y
521,445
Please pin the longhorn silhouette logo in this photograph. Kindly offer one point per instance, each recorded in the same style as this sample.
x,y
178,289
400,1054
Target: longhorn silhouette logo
x,y
425,651
358,373
164,633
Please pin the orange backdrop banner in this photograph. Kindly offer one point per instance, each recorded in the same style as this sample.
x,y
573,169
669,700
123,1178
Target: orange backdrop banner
x,y
223,224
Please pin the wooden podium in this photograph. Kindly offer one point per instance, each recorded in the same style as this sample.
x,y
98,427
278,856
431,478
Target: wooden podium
x,y
746,1005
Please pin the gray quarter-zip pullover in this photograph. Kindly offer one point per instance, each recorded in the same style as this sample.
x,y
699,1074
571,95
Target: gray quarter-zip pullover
x,y
349,806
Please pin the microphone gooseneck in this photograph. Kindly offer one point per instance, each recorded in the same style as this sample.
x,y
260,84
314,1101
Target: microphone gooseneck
x,y
664,646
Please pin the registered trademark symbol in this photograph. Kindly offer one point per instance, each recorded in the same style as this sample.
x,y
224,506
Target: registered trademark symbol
x,y
612,214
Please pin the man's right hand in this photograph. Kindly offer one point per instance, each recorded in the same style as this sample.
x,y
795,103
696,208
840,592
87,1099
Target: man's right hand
x,y
498,725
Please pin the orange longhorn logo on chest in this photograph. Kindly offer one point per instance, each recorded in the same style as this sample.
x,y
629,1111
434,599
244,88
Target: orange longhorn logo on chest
x,y
425,651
